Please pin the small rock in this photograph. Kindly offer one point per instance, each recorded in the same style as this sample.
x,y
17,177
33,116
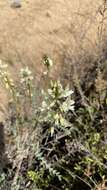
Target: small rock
x,y
16,4
48,14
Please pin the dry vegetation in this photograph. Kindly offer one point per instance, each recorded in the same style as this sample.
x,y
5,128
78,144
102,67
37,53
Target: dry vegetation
x,y
55,138
56,28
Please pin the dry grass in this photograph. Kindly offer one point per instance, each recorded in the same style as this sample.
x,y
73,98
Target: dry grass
x,y
56,28
71,33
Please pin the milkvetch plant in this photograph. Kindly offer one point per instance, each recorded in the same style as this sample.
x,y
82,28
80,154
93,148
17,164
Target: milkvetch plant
x,y
56,105
26,79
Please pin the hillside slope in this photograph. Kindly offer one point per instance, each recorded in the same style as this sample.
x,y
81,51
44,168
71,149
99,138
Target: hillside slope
x,y
46,27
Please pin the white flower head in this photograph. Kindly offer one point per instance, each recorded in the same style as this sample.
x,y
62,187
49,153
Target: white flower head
x,y
2,65
26,75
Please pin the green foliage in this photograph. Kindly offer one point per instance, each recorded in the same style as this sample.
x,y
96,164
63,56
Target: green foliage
x,y
62,143
57,103
2,178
